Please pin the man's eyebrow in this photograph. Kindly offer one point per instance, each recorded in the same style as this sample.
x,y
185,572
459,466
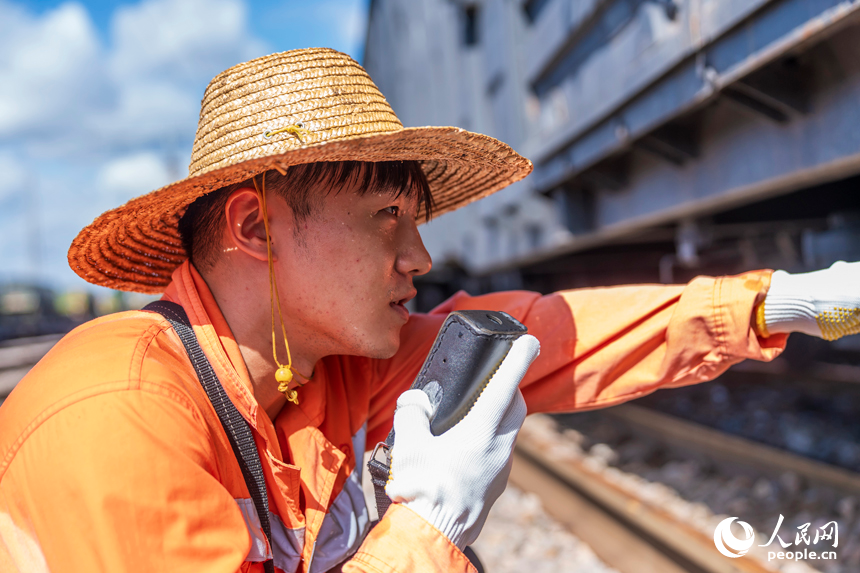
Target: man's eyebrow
x,y
393,192
390,178
390,188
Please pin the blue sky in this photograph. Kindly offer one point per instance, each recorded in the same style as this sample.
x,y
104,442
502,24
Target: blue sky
x,y
281,24
99,103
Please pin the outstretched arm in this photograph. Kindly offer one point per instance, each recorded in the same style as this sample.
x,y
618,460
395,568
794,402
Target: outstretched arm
x,y
622,343
604,346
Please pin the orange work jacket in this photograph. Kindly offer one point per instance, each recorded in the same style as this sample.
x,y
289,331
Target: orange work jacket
x,y
113,459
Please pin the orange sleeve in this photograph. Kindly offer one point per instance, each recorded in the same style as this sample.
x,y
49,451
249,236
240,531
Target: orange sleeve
x,y
119,481
603,346
404,541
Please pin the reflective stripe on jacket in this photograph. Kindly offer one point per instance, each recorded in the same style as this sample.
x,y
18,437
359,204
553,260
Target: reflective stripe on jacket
x,y
112,457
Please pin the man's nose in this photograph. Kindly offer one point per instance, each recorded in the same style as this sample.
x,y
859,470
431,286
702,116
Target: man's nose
x,y
412,258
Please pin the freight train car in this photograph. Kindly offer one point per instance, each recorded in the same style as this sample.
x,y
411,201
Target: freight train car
x,y
670,137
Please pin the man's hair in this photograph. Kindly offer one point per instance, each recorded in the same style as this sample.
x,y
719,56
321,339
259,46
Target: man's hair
x,y
303,187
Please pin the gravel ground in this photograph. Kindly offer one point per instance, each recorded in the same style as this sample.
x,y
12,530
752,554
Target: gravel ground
x,y
519,536
703,493
808,417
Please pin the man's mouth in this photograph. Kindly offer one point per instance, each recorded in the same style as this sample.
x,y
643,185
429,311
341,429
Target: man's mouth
x,y
399,305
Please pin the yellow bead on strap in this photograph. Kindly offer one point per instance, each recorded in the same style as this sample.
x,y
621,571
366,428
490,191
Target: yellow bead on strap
x,y
838,322
284,377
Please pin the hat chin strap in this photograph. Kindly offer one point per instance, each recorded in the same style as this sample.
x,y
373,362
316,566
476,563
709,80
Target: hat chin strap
x,y
284,373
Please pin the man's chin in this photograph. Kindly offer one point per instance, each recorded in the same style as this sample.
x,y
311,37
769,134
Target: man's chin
x,y
385,353
378,344
385,347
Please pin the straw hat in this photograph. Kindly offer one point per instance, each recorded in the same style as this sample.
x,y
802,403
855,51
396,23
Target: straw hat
x,y
285,109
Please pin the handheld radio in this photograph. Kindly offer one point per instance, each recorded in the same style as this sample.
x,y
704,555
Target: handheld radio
x,y
467,352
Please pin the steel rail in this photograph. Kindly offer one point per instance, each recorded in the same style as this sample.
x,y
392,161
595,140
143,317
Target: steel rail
x,y
721,446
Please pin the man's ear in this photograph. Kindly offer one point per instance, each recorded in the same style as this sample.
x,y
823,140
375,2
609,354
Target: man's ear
x,y
246,229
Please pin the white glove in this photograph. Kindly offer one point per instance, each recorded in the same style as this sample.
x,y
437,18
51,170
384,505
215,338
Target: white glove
x,y
453,479
823,303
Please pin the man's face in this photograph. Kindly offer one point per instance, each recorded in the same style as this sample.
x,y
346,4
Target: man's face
x,y
346,272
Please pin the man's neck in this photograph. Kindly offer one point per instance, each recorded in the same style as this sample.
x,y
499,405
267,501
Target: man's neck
x,y
250,320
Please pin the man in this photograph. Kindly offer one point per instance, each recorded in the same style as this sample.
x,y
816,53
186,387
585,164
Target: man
x,y
300,217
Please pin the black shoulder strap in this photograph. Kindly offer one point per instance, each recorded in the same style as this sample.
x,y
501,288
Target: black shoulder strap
x,y
234,424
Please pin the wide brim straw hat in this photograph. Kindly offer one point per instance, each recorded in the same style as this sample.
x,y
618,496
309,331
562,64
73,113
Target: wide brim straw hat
x,y
291,108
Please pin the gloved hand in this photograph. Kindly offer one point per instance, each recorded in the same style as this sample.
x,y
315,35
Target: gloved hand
x,y
823,303
453,479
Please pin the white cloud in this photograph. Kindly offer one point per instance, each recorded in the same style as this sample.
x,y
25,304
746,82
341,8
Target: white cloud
x,y
132,175
49,66
186,41
165,52
155,113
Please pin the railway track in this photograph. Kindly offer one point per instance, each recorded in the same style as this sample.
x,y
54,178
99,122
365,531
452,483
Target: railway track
x,y
635,532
